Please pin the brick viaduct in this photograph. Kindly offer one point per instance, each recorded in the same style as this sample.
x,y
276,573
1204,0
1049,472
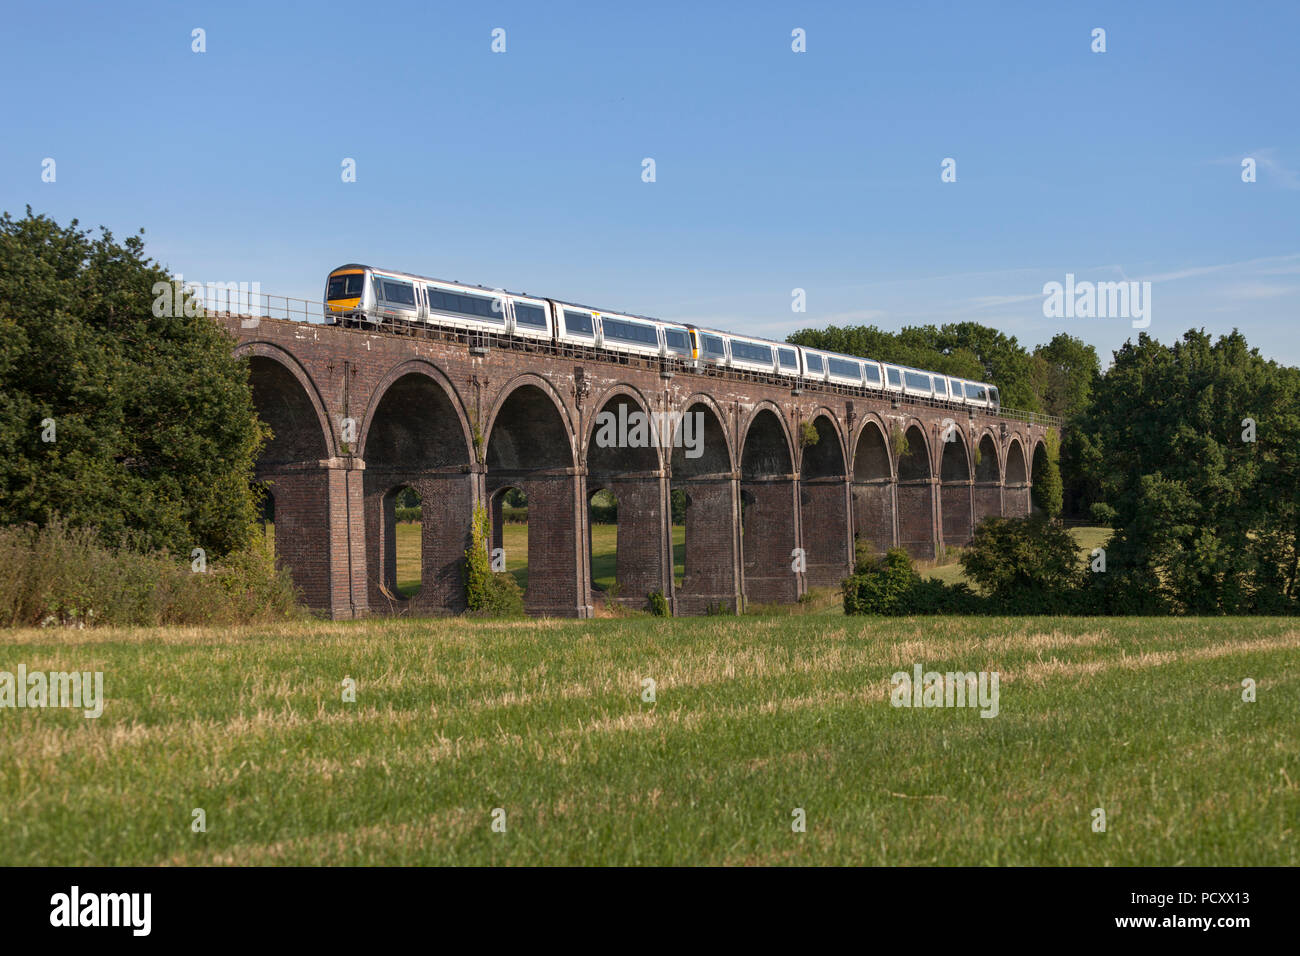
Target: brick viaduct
x,y
462,419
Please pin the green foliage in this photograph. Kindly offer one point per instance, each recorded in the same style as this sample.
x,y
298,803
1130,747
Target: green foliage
x,y
1101,513
657,604
1022,562
1070,372
488,593
154,426
678,498
1206,521
478,567
808,435
964,349
1047,487
880,586
898,441
60,575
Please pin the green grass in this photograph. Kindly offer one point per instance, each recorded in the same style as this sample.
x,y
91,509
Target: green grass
x,y
755,716
604,542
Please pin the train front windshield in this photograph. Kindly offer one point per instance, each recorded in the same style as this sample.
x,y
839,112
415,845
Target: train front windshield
x,y
345,286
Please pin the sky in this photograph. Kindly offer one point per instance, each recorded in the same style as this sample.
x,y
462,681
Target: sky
x,y
774,170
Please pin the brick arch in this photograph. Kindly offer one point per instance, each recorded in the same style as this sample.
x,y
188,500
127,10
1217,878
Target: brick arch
x,y
1039,445
754,417
987,493
636,398
711,578
416,434
824,503
917,526
873,491
423,369
530,444
1015,479
719,418
769,507
295,464
862,471
514,388
822,413
289,364
636,479
912,427
956,486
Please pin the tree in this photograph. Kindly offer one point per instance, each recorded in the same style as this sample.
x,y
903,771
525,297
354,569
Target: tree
x,y
1194,446
1047,487
138,425
1071,370
1029,564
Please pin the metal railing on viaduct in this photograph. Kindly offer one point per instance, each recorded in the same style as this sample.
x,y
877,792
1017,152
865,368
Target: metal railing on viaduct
x,y
779,477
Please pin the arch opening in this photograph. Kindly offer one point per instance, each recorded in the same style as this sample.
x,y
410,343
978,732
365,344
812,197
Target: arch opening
x,y
627,528
824,507
705,509
873,492
988,487
1015,493
955,489
917,531
772,569
419,497
529,447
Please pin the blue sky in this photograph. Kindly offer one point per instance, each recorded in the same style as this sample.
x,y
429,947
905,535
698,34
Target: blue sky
x,y
775,170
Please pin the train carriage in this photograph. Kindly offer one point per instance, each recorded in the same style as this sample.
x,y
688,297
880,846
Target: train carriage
x,y
359,294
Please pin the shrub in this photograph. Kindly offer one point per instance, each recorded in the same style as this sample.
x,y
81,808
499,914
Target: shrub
x,y
62,575
657,604
478,569
1101,513
1019,562
880,586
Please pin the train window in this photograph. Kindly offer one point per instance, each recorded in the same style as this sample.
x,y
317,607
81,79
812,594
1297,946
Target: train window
x,y
475,306
845,369
895,379
941,386
993,396
533,315
956,387
713,346
578,323
974,392
632,332
814,362
346,286
399,293
750,352
677,341
918,381
873,372
787,358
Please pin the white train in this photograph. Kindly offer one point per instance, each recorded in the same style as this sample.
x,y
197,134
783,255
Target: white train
x,y
367,296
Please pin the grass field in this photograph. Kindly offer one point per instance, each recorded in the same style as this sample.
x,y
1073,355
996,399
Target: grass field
x,y
604,543
604,538
755,716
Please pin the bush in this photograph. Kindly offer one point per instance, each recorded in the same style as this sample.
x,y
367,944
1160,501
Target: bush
x,y
502,597
880,586
1021,562
1101,513
657,604
61,575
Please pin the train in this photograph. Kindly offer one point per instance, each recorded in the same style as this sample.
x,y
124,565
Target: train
x,y
357,294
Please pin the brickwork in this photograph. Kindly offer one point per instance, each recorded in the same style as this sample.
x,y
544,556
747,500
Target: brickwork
x,y
358,414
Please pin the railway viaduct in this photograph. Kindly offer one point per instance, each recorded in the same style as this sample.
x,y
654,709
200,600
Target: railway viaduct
x,y
783,483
